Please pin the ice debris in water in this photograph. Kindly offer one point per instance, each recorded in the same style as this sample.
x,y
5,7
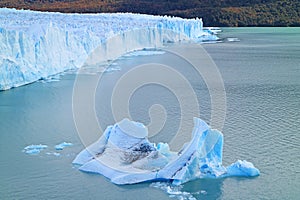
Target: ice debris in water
x,y
112,69
144,53
125,156
53,153
173,191
34,148
62,145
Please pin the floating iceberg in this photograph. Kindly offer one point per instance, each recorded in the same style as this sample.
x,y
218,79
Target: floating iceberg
x,y
125,156
35,45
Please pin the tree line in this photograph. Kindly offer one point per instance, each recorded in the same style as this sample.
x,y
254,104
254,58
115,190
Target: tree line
x,y
213,12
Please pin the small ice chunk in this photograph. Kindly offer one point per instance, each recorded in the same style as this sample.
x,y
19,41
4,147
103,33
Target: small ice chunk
x,y
233,39
53,153
173,191
112,69
34,148
144,53
62,145
242,168
33,151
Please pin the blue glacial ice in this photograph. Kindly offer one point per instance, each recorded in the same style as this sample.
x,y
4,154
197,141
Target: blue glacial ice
x,y
125,156
35,45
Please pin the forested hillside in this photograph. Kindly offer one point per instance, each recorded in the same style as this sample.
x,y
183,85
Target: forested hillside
x,y
213,12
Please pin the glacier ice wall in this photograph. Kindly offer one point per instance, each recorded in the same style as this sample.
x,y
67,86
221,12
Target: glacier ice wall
x,y
35,45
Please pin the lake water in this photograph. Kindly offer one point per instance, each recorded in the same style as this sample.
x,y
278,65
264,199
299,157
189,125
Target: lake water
x,y
261,74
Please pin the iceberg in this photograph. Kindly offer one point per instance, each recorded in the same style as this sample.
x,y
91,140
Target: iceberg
x,y
125,156
35,45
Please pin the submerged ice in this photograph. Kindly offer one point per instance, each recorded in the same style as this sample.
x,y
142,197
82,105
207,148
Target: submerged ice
x,y
125,156
35,45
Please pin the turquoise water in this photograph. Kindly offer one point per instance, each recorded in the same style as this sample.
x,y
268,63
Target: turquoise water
x,y
261,74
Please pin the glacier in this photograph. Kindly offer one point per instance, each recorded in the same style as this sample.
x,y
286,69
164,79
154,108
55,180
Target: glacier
x,y
125,156
35,45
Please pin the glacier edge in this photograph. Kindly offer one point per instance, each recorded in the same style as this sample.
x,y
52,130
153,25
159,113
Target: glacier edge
x,y
36,45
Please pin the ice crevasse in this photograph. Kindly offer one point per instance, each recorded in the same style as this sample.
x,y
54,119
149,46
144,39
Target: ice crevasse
x,y
125,156
35,45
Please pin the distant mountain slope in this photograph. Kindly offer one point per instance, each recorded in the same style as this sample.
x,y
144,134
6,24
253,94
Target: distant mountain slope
x,y
214,13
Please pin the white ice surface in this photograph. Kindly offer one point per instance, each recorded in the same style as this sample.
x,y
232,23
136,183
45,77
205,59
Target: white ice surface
x,y
36,45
